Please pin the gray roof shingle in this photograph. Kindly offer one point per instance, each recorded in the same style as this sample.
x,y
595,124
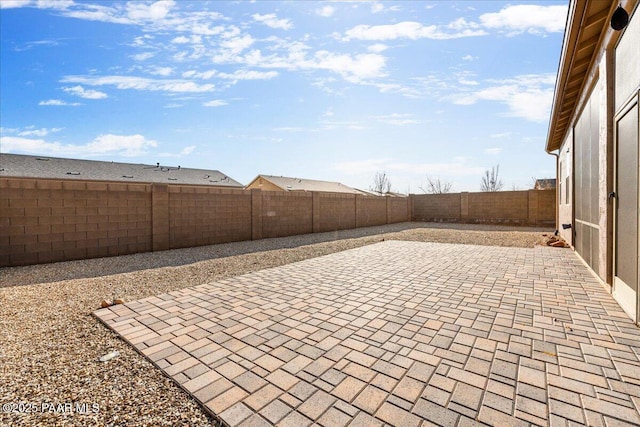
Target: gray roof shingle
x,y
18,165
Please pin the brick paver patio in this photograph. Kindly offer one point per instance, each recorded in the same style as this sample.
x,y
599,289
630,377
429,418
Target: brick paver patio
x,y
399,333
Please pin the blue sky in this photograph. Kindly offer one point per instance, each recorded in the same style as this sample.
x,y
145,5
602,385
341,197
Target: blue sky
x,y
321,90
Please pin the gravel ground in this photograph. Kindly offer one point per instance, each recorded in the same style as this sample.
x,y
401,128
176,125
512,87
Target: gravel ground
x,y
50,342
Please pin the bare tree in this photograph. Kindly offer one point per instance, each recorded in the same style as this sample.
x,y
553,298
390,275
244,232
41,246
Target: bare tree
x,y
491,181
436,185
381,183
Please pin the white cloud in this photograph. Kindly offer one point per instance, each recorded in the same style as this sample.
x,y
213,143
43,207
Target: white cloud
x,y
184,152
351,68
493,151
469,58
143,56
358,167
458,166
521,18
40,4
377,7
408,30
528,96
248,75
141,83
326,11
161,71
92,12
377,48
462,24
120,145
32,131
181,40
215,103
152,12
295,55
156,16
58,102
141,41
396,119
271,20
232,47
203,75
467,82
512,19
235,76
187,150
338,124
85,93
8,4
500,135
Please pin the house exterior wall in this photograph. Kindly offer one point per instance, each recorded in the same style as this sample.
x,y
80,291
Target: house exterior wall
x,y
625,118
565,188
588,153
586,136
263,184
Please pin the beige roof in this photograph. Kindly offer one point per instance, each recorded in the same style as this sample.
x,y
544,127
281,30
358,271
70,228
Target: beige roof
x,y
375,193
586,29
301,184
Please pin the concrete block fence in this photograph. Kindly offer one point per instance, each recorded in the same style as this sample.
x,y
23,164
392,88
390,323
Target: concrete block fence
x,y
58,220
529,208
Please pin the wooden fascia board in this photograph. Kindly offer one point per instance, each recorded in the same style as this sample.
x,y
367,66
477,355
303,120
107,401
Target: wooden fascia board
x,y
577,10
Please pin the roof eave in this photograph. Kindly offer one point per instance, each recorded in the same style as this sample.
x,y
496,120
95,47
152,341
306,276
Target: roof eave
x,y
572,32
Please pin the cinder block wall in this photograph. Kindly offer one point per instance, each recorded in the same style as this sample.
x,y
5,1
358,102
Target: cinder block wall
x,y
531,207
336,212
286,214
204,216
501,206
53,220
398,209
437,207
57,220
370,211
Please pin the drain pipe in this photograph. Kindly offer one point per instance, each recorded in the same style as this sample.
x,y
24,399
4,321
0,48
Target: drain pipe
x,y
557,156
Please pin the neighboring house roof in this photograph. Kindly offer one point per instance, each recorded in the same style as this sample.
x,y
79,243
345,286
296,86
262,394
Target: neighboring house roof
x,y
368,192
544,184
300,184
587,26
17,165
375,193
394,194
